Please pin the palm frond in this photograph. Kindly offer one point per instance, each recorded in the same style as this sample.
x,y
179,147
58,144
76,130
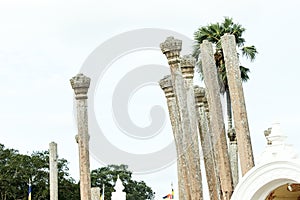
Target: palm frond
x,y
249,52
213,33
244,73
227,24
222,78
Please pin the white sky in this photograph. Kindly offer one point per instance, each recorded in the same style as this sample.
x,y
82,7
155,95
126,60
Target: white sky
x,y
44,43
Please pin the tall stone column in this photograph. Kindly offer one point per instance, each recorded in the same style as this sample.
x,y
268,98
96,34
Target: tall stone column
x,y
238,102
53,171
182,169
187,65
217,120
207,148
80,84
207,117
233,148
233,156
171,48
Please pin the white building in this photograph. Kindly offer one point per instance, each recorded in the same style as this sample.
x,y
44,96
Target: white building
x,y
276,175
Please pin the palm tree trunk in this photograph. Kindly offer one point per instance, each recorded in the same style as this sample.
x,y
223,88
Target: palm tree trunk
x,y
233,149
229,111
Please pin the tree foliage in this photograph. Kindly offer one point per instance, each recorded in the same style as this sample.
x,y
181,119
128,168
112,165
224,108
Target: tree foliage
x,y
16,170
108,176
213,33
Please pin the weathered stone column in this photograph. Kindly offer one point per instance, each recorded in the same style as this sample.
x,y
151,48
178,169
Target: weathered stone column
x,y
233,157
217,120
182,169
53,171
95,193
187,65
80,84
171,48
207,148
233,148
238,102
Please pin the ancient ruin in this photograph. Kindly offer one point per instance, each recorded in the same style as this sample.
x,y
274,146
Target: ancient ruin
x,y
197,120
238,103
206,142
80,85
183,173
171,48
196,115
95,193
53,171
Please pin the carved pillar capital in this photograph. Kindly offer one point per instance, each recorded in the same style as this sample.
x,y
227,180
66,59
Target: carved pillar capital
x,y
188,63
171,47
80,84
167,87
205,104
199,95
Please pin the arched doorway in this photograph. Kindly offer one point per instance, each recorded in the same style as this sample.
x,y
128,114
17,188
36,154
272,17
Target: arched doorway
x,y
286,191
261,181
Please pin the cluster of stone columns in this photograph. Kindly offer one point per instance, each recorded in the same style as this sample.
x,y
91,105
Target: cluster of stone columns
x,y
197,118
206,142
196,115
184,114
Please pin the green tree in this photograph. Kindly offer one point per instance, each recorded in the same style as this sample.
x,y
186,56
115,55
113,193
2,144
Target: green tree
x,y
67,186
213,33
17,169
108,176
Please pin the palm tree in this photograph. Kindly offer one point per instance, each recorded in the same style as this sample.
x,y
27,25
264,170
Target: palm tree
x,y
213,33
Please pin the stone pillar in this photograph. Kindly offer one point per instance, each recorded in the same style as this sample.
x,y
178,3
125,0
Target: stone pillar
x,y
80,84
95,193
187,65
53,171
234,161
217,120
238,102
233,148
171,48
207,117
182,170
207,149
233,157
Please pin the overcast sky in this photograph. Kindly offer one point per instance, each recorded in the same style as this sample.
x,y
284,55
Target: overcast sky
x,y
44,43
